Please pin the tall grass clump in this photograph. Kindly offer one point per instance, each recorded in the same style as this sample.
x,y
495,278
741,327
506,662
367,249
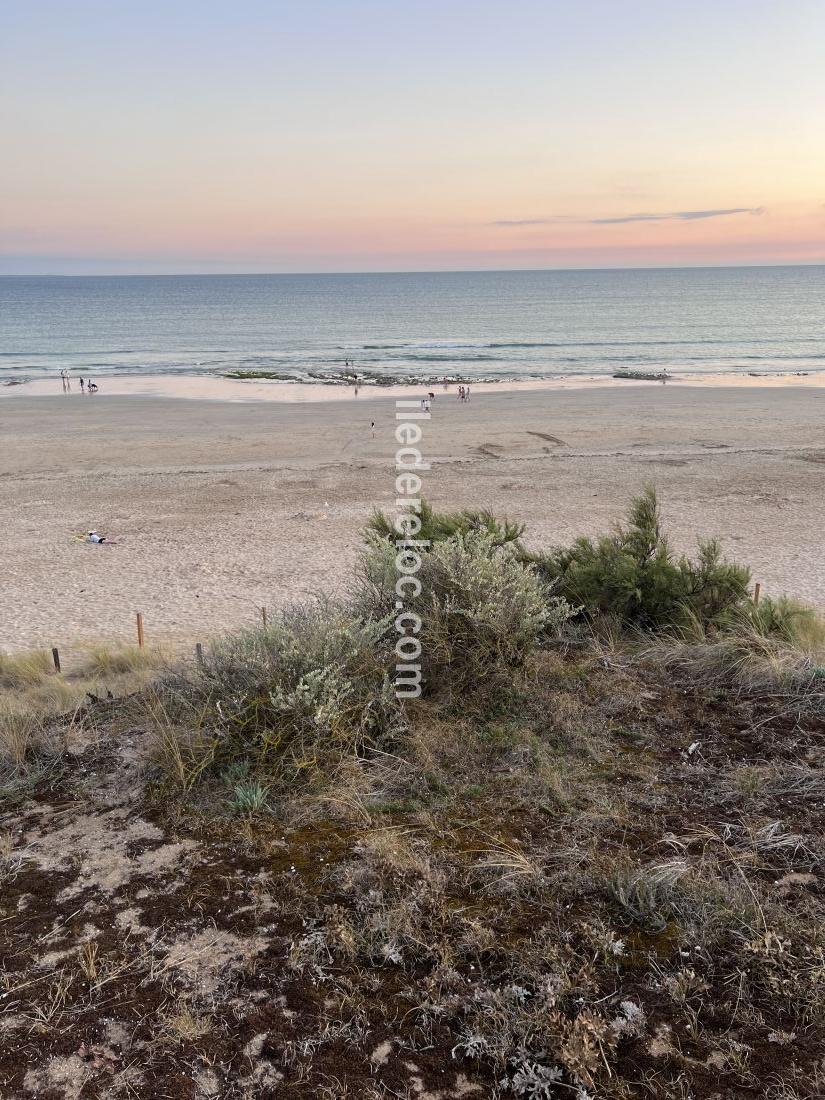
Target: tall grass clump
x,y
291,699
777,646
19,734
483,611
22,670
103,660
27,741
633,576
788,621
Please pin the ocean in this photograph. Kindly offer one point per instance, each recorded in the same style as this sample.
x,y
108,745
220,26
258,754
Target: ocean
x,y
417,327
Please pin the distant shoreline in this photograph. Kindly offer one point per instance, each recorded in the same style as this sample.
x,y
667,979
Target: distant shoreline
x,y
210,387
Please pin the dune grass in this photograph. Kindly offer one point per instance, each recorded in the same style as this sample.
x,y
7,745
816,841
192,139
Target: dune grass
x,y
21,670
103,660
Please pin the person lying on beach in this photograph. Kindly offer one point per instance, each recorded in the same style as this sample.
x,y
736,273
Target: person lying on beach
x,y
95,537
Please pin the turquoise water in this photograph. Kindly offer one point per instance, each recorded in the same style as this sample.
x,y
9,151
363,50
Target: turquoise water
x,y
417,326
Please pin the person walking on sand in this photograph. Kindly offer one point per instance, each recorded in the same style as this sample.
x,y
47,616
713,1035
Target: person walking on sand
x,y
82,384
467,393
372,428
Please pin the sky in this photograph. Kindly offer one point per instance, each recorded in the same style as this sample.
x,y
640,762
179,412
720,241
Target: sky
x,y
369,135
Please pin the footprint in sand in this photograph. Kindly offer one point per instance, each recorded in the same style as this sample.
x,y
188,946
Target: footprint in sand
x,y
550,438
665,461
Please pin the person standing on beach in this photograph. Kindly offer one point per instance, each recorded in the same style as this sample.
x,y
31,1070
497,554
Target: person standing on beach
x,y
82,384
372,428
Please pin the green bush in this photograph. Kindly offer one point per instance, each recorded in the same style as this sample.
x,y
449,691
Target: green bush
x,y
482,609
633,575
438,526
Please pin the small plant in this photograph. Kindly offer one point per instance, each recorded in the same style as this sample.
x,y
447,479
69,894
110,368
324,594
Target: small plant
x,y
645,894
249,798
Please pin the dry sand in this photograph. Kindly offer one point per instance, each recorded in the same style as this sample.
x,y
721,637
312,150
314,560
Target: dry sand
x,y
219,507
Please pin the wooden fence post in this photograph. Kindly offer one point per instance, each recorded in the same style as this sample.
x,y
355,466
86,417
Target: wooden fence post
x,y
757,588
199,654
139,615
56,659
263,616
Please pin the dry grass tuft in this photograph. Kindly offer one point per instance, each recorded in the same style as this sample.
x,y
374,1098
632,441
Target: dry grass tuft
x,y
21,670
19,734
184,752
749,662
103,660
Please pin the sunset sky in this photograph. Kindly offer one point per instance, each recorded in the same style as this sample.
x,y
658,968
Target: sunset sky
x,y
346,135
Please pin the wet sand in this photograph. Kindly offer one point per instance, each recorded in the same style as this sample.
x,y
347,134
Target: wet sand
x,y
215,387
220,506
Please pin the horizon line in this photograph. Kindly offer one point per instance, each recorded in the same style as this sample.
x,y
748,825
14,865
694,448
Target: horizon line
x,y
399,271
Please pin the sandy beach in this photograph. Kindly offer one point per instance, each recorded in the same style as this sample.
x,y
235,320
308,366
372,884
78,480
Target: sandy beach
x,y
221,506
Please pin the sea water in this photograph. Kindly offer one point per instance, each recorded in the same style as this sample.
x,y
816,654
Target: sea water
x,y
417,327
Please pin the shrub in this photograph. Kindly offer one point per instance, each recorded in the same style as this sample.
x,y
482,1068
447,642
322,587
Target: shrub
x,y
714,587
288,699
438,526
633,576
482,610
